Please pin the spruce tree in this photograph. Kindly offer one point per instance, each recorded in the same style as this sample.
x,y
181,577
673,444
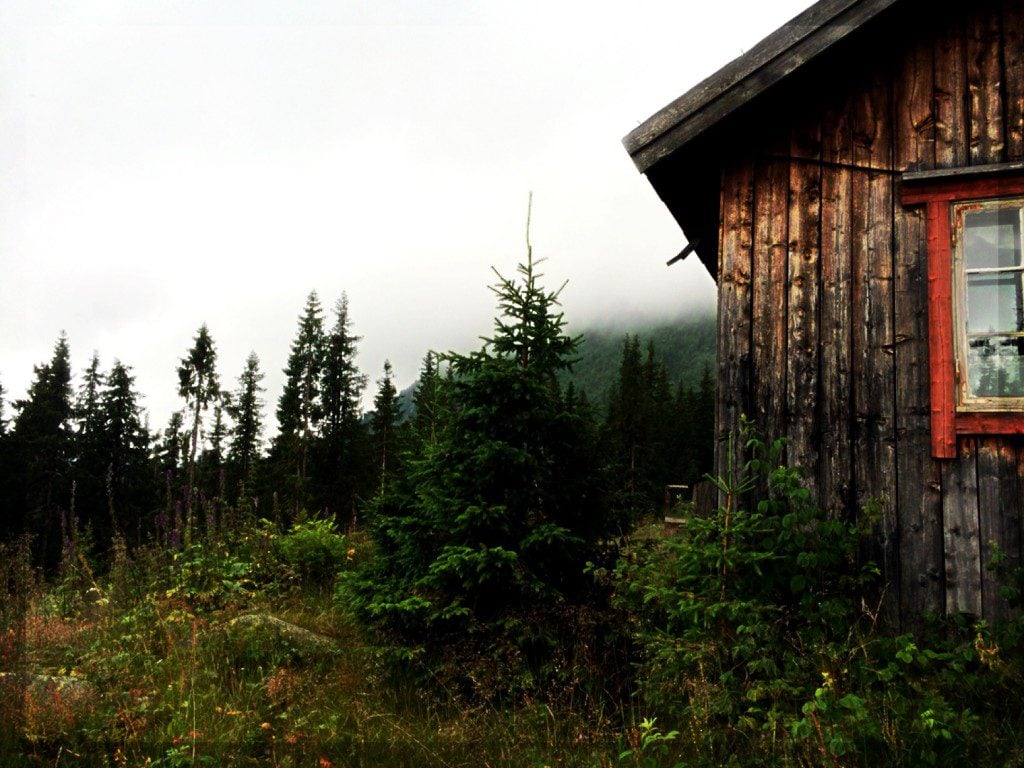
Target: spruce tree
x,y
131,491
486,538
90,464
299,409
42,449
246,412
172,452
387,413
342,383
197,383
342,458
426,401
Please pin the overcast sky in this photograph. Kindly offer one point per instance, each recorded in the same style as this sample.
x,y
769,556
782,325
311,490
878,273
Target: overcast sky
x,y
172,162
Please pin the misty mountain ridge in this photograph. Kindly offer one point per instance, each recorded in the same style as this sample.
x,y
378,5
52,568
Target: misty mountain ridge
x,y
685,344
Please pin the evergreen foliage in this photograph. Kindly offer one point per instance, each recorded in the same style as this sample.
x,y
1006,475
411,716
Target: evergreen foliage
x,y
90,462
343,465
172,452
384,422
246,411
426,402
129,480
42,440
685,346
651,436
198,385
299,408
486,537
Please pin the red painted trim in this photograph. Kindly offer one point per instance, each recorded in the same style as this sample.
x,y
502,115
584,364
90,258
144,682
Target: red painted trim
x,y
947,191
946,422
990,423
940,338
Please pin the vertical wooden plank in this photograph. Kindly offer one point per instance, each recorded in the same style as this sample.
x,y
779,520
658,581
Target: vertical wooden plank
x,y
804,285
999,519
770,267
1013,77
734,313
984,86
914,106
874,458
835,331
918,492
950,93
961,531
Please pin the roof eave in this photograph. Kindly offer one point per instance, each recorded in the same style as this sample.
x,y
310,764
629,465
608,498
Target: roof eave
x,y
770,61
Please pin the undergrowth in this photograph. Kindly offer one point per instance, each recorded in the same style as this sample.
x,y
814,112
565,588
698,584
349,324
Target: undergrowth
x,y
752,644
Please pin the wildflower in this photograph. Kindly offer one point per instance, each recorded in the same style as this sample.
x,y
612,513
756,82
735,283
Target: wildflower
x,y
265,726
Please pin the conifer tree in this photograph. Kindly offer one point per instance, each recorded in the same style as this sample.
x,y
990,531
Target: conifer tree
x,y
343,385
130,487
3,420
218,433
387,413
90,464
87,408
197,383
299,408
486,538
42,445
246,412
341,455
173,449
426,401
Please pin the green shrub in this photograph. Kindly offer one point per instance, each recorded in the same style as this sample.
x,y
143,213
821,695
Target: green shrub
x,y
756,645
314,550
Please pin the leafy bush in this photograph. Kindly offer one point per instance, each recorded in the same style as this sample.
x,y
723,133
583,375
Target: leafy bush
x,y
756,645
314,549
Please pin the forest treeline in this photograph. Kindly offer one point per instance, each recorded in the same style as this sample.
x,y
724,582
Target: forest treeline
x,y
77,453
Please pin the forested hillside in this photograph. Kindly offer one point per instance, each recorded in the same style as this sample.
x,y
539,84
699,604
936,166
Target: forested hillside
x,y
685,345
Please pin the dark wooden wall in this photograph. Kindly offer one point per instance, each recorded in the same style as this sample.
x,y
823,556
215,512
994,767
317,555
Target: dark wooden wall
x,y
823,324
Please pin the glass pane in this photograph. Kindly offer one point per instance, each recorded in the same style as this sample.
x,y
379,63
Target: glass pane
x,y
994,303
992,238
995,367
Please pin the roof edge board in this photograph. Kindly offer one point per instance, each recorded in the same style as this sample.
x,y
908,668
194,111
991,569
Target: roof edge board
x,y
778,55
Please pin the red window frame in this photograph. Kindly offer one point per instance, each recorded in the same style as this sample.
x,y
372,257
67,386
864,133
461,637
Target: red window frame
x,y
938,193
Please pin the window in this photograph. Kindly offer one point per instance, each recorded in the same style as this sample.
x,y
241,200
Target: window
x,y
975,236
989,315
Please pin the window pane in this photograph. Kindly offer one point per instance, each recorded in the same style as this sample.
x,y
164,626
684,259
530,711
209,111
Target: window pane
x,y
992,238
996,367
994,303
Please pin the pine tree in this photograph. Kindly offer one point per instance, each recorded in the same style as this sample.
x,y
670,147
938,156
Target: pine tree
x,y
197,383
387,413
299,408
247,413
488,534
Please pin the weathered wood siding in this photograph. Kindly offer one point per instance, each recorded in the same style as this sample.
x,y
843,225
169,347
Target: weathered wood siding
x,y
823,321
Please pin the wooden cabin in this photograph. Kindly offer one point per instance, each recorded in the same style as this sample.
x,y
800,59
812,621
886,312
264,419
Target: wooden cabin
x,y
855,186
